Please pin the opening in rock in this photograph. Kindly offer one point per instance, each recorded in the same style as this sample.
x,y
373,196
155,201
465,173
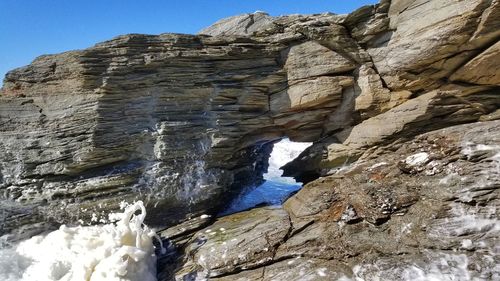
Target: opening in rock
x,y
276,188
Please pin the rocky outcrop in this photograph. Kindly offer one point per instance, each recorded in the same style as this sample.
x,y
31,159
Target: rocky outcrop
x,y
185,122
242,25
181,121
425,208
433,64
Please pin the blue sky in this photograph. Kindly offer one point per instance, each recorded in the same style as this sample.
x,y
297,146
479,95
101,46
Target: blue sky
x,y
29,28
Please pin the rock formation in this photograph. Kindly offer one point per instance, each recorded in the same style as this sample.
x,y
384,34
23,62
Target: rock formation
x,y
185,122
426,208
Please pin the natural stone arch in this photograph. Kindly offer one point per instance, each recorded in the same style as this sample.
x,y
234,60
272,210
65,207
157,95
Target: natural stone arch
x,y
109,122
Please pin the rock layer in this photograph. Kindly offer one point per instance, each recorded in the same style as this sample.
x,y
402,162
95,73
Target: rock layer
x,y
185,122
425,208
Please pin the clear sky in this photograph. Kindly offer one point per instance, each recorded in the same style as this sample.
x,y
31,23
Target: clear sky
x,y
29,28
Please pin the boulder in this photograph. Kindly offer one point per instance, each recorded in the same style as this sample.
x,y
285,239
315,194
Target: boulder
x,y
236,242
428,40
241,25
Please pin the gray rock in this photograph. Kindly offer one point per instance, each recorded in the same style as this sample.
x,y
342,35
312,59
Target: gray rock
x,y
237,242
241,25
186,122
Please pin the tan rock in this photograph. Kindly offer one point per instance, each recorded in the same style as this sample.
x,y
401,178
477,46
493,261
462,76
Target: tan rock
x,y
310,59
312,93
427,34
489,26
483,69
339,155
373,96
241,25
396,120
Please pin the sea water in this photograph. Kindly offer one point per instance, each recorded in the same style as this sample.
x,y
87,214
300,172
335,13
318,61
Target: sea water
x,y
121,251
276,188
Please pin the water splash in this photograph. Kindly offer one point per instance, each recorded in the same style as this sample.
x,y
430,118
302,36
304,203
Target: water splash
x,y
276,189
431,266
120,251
283,152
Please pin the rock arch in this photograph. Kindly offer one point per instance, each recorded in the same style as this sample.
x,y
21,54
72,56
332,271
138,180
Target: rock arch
x,y
183,120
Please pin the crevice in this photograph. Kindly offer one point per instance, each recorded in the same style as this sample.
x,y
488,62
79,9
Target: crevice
x,y
250,23
300,229
374,67
253,267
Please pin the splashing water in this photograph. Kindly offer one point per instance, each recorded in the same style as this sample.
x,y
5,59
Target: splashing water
x,y
283,152
276,188
121,251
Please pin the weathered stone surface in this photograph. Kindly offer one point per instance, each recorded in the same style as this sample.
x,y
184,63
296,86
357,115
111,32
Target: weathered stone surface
x,y
236,242
368,22
427,207
185,122
428,40
373,98
310,59
397,120
297,269
314,93
241,25
483,69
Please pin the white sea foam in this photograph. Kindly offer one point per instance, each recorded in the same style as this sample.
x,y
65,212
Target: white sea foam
x,y
122,251
283,152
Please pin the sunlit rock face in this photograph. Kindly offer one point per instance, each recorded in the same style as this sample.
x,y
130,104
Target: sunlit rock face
x,y
421,209
185,122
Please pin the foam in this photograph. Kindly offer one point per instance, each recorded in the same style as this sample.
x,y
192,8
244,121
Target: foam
x,y
121,251
283,152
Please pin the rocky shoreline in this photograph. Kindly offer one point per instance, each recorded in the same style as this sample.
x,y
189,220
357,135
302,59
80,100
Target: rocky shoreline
x,y
400,99
425,208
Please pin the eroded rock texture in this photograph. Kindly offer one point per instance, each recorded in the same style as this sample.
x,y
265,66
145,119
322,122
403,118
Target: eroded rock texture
x,y
187,121
423,209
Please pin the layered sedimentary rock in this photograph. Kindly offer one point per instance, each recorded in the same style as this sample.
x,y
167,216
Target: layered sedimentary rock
x,y
187,121
433,64
182,121
425,209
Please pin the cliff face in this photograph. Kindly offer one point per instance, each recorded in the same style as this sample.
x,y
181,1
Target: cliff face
x,y
186,121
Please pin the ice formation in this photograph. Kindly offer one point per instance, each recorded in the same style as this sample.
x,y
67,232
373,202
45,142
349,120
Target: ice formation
x,y
122,251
